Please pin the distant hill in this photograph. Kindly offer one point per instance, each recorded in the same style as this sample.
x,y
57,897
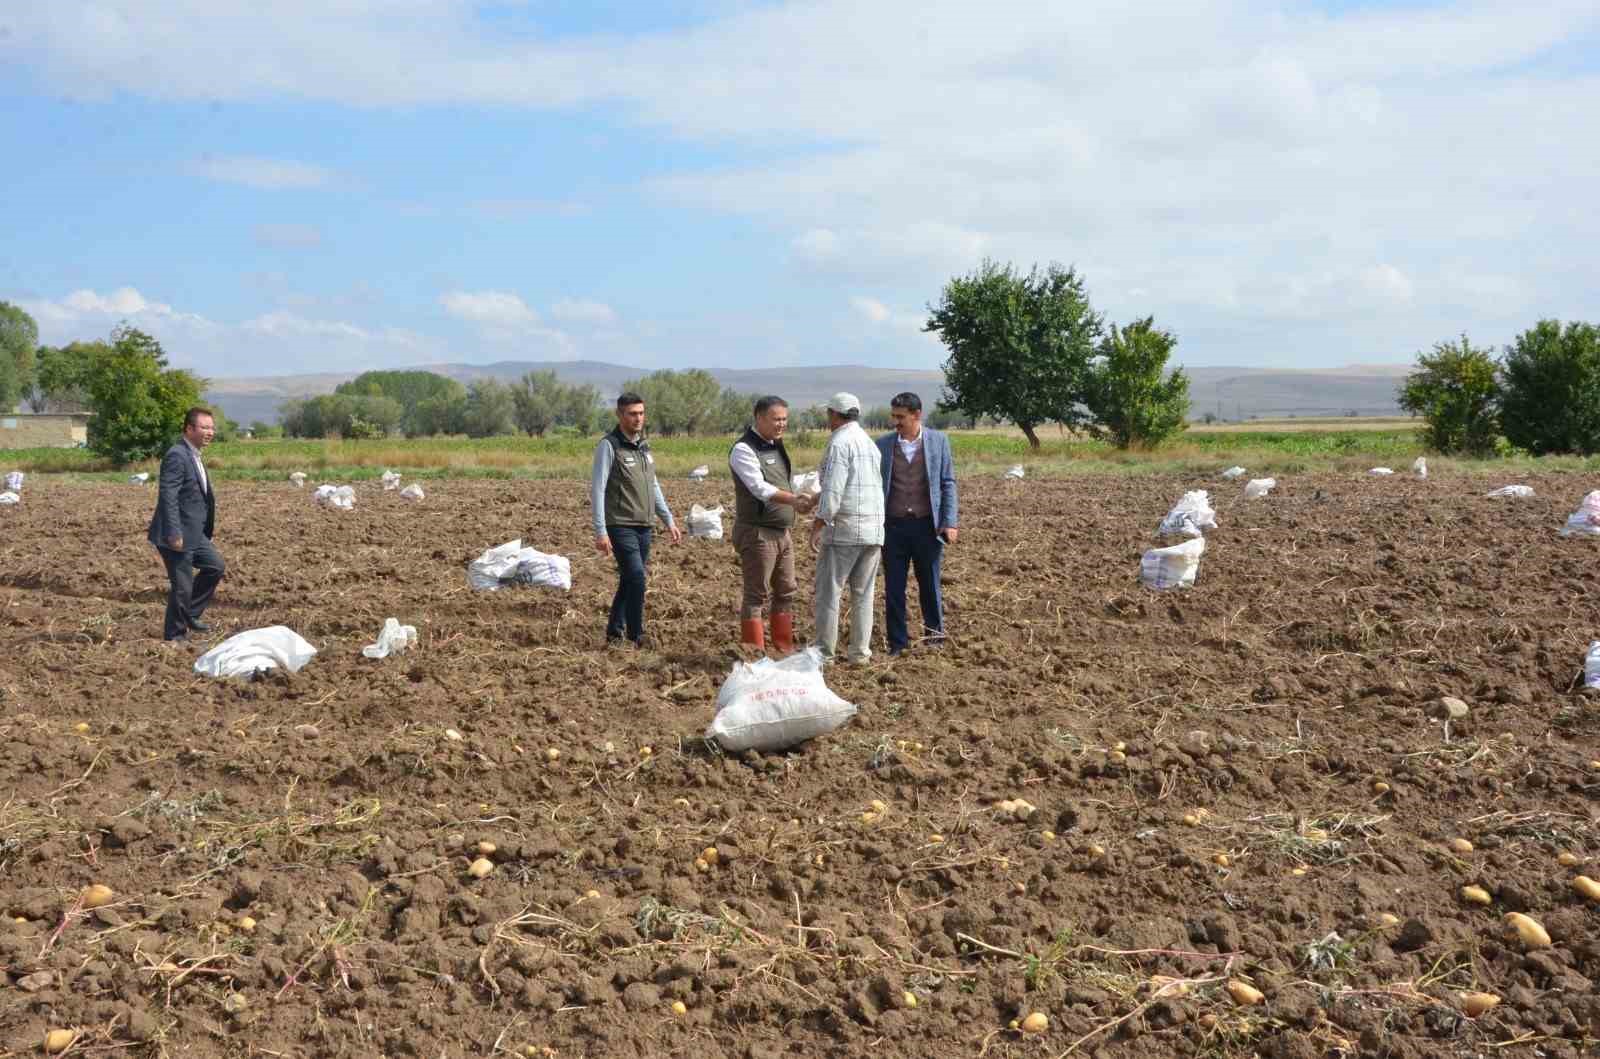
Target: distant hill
x,y
1228,393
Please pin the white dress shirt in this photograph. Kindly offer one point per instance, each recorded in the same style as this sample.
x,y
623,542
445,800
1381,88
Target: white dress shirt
x,y
205,485
746,466
908,449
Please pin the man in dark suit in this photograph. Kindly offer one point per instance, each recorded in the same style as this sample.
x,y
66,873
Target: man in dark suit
x,y
186,512
920,518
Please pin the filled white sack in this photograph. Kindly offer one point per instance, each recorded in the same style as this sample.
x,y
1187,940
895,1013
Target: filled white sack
x,y
1256,488
14,481
254,650
1174,567
1419,467
140,478
699,473
705,522
1190,516
298,478
1584,522
807,482
10,498
342,497
1016,470
1381,471
391,481
1233,472
770,705
512,564
1518,491
413,491
392,639
1591,666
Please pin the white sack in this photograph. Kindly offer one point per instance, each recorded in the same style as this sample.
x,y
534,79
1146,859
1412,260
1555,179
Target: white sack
x,y
10,498
512,564
413,491
1584,522
392,639
768,705
808,482
1256,488
342,497
14,481
140,478
257,649
705,522
1419,467
1016,471
1591,666
1381,471
699,473
1233,472
1191,516
1174,567
298,478
391,481
1518,491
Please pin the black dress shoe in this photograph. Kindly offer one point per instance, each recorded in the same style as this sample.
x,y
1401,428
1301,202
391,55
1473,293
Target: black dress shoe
x,y
199,626
182,637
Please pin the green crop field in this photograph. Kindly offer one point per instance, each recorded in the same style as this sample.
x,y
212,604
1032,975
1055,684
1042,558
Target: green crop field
x,y
1276,449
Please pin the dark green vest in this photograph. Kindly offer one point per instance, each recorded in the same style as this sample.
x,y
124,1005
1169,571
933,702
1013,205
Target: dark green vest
x,y
630,489
774,461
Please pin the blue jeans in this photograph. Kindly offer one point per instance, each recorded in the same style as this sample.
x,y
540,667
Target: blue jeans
x,y
630,546
911,543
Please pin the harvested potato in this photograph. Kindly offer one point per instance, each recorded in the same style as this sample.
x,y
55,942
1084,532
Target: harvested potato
x,y
1476,895
453,735
486,847
1380,788
552,754
1587,887
480,868
1530,930
710,855
247,924
95,895
59,1040
1036,1022
679,1008
1567,860
1243,993
1475,1004
1460,845
908,998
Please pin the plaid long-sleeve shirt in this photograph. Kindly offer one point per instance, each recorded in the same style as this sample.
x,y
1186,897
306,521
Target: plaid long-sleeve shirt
x,y
851,504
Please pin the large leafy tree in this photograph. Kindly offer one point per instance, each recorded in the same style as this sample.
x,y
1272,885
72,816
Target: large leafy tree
x,y
138,401
1455,389
1019,345
61,376
489,409
19,338
679,402
1135,401
543,401
1551,388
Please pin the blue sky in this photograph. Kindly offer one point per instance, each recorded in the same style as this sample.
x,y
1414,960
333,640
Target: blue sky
x,y
344,184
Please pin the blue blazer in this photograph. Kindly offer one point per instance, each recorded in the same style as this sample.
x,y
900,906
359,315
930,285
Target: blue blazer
x,y
941,474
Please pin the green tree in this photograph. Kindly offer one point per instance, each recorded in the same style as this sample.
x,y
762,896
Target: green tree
x,y
1456,390
437,415
407,387
490,409
61,376
679,402
1550,389
19,338
539,398
1134,401
1019,345
138,401
262,430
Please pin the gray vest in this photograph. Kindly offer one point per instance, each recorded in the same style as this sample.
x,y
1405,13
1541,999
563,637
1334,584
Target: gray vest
x,y
775,470
630,489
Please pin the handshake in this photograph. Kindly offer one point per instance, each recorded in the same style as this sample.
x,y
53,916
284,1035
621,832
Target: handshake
x,y
804,503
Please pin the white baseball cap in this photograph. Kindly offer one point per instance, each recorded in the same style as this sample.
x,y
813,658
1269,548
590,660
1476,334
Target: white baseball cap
x,y
842,402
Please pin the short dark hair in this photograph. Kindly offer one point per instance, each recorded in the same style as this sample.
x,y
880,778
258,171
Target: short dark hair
x,y
907,400
628,400
192,416
769,402
852,415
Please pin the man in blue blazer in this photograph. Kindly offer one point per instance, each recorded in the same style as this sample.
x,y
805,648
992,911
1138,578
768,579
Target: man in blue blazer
x,y
920,518
186,515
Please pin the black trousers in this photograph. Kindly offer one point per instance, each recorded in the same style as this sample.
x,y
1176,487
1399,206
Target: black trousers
x,y
193,574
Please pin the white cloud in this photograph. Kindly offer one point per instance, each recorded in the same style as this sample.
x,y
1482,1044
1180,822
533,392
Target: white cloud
x,y
877,313
871,308
583,311
104,311
287,236
1386,283
816,245
491,308
267,174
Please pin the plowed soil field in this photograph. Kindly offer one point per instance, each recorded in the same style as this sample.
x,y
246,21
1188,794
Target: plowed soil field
x,y
1253,783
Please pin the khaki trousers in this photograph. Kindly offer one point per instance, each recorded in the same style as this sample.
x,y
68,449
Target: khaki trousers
x,y
766,558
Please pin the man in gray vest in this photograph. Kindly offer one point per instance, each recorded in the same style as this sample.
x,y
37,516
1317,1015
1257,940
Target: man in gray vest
x,y
919,501
626,499
764,507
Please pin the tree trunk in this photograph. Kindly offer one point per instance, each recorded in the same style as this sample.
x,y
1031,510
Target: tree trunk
x,y
1027,432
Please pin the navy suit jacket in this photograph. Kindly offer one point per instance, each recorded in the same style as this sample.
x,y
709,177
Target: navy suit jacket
x,y
941,474
182,507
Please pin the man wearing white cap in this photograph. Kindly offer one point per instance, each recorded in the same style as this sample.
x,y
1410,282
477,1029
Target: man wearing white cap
x,y
847,528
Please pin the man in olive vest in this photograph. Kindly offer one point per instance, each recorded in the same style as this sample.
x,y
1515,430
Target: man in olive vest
x,y
764,507
626,499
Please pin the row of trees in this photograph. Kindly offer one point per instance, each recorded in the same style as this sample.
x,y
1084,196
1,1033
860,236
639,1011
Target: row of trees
x,y
1541,396
1031,350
